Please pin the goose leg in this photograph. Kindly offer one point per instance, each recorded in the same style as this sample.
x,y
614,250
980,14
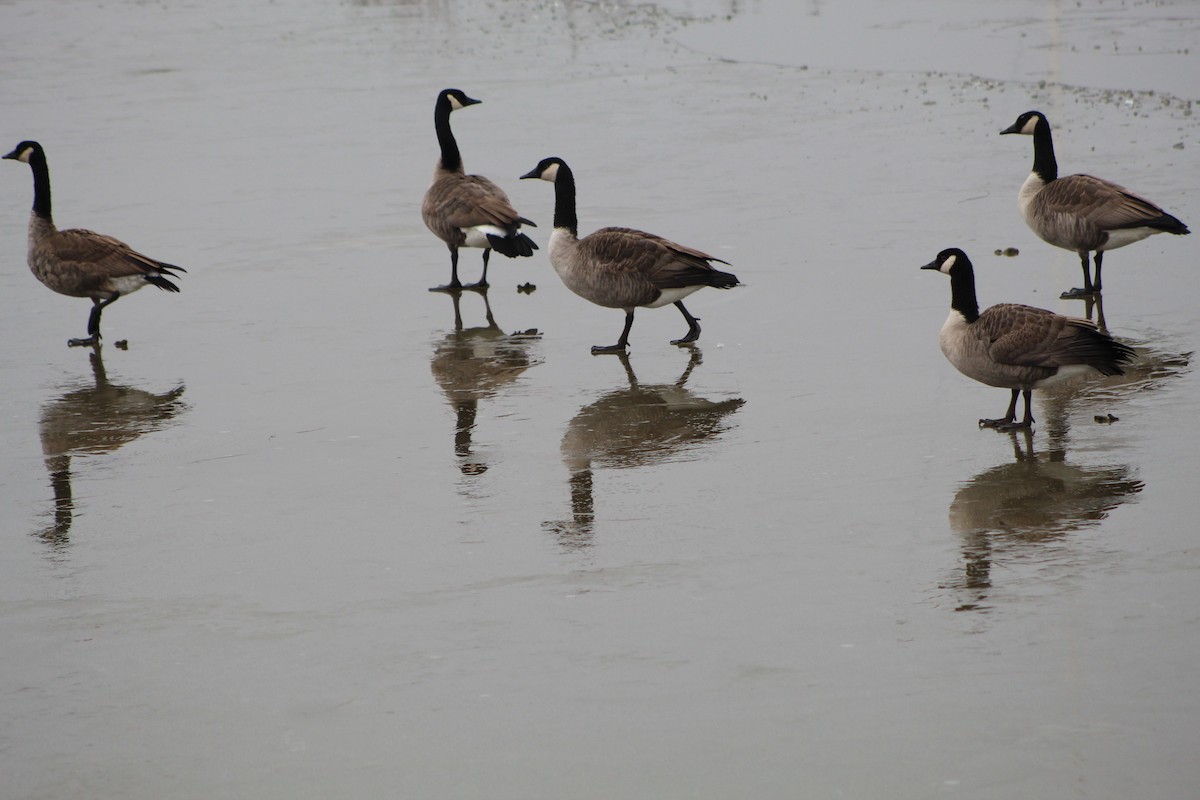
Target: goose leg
x,y
93,327
1099,259
1087,290
693,325
1007,419
622,343
454,285
482,285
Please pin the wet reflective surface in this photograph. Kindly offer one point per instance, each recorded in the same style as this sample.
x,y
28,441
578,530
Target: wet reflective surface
x,y
390,542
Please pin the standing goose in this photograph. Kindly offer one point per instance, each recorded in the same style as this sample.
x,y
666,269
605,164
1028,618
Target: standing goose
x,y
621,267
1079,212
468,210
1018,347
82,263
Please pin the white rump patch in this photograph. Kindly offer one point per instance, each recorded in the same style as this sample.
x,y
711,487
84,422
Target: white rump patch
x,y
1066,374
669,296
1124,236
477,236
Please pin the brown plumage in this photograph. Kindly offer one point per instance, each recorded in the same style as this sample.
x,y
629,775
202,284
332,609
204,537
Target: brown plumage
x,y
1081,212
468,210
622,267
1018,347
83,263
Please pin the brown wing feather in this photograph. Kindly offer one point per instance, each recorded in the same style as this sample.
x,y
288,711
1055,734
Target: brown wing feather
x,y
661,262
1103,203
464,201
1025,336
106,257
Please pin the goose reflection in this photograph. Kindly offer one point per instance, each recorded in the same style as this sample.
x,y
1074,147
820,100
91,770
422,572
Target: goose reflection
x,y
95,420
1019,510
635,426
473,364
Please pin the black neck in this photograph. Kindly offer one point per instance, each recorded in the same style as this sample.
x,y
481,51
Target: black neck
x,y
1043,152
564,200
962,293
41,184
451,158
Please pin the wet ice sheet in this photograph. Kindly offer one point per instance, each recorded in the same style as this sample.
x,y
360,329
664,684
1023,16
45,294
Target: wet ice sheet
x,y
326,571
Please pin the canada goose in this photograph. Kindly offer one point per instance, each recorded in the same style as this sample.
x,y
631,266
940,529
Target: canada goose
x,y
468,210
82,263
621,267
1015,346
1079,212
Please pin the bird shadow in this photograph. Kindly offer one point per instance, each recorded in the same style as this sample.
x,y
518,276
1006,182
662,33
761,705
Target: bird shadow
x,y
473,364
94,420
638,425
1024,510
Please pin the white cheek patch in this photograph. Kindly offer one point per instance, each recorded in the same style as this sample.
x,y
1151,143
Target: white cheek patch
x,y
25,155
1030,125
455,105
550,173
948,264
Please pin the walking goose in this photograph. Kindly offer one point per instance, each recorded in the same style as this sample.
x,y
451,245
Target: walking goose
x,y
468,210
1079,212
81,263
621,267
1015,346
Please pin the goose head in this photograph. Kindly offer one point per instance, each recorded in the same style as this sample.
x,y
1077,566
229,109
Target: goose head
x,y
547,169
950,261
25,151
456,99
1027,123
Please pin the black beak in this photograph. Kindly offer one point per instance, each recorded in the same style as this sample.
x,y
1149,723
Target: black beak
x,y
932,265
533,173
1014,128
12,155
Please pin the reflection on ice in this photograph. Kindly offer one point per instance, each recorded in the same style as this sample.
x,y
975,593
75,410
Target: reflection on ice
x,y
635,426
473,364
95,420
1018,510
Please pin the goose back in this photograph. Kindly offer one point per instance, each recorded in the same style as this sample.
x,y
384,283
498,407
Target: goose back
x,y
82,263
626,268
1082,212
457,203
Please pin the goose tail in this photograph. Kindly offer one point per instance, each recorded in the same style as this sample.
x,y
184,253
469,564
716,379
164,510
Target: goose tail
x,y
513,245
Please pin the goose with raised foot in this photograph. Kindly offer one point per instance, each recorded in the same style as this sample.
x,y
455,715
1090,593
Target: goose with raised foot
x,y
621,267
82,263
468,210
1018,347
1080,212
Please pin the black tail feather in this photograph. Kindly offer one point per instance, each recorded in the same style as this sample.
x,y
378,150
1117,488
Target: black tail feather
x,y
723,280
512,245
161,282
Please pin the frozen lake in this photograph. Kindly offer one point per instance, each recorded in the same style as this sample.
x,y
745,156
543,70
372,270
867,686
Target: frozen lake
x,y
320,532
